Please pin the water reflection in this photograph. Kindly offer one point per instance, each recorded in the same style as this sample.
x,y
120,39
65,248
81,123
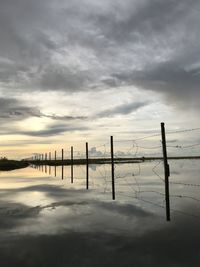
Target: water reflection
x,y
34,202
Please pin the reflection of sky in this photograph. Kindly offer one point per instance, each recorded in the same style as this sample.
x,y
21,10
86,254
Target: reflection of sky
x,y
35,205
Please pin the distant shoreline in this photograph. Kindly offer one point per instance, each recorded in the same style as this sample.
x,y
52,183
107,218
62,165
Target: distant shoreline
x,y
103,161
10,165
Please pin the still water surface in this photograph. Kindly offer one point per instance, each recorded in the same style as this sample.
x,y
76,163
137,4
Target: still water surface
x,y
48,221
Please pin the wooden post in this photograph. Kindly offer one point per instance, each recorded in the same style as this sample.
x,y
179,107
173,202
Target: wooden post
x,y
87,167
62,154
49,155
72,167
112,167
166,170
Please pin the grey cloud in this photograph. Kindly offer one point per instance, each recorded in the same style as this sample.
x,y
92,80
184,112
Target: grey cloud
x,y
52,130
87,45
169,78
123,109
11,108
14,109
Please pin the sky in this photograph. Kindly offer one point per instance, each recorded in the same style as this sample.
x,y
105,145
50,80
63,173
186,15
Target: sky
x,y
75,71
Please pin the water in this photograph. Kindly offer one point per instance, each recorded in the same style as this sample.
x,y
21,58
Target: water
x,y
48,221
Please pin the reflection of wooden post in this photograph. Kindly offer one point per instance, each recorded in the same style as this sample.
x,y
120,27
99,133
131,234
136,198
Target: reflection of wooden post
x,y
45,162
55,170
112,167
87,167
62,164
55,155
167,172
72,167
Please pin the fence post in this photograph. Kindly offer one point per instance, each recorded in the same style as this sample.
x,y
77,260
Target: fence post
x,y
166,170
112,167
87,167
72,163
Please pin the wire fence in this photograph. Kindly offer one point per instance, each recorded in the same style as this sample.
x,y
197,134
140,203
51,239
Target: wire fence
x,y
138,168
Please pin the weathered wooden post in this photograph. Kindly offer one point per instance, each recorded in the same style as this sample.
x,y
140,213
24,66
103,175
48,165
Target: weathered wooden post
x,y
112,167
72,167
166,170
87,167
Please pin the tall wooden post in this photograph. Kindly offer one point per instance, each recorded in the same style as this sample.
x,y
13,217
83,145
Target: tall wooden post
x,y
166,170
72,165
112,167
87,167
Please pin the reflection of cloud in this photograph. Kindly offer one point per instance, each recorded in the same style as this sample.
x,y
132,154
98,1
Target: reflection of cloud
x,y
13,214
174,245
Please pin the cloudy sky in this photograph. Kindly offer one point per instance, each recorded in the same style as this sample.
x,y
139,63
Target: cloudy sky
x,y
73,71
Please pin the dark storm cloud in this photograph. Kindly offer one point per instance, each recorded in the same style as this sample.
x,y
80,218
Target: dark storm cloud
x,y
123,109
76,46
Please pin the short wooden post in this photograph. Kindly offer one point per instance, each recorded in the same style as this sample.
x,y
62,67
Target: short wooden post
x,y
166,170
49,155
72,165
112,167
87,167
